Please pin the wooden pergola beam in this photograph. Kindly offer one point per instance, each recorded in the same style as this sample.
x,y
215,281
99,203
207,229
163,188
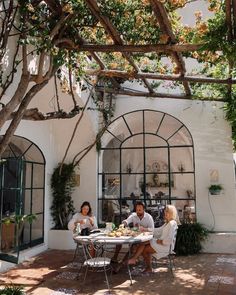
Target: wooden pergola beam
x,y
166,48
154,95
165,24
152,76
172,49
94,55
228,7
98,60
234,18
160,13
111,30
54,5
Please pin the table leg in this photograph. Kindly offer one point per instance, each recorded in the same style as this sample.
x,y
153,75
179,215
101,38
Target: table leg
x,y
128,266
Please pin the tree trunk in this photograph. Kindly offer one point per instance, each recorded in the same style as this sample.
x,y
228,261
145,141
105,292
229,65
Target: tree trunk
x,y
5,113
19,114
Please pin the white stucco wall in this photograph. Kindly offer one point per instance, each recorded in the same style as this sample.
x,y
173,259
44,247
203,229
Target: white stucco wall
x,y
210,132
212,143
213,151
52,138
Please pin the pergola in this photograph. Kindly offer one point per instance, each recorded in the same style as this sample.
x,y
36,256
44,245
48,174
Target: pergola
x,y
170,47
111,42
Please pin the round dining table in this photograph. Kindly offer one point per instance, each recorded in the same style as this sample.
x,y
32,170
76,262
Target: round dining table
x,y
103,237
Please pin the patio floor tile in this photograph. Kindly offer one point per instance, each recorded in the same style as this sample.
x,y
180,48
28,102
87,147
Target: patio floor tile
x,y
54,273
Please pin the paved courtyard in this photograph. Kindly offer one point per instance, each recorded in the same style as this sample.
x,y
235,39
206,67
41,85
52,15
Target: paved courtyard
x,y
54,273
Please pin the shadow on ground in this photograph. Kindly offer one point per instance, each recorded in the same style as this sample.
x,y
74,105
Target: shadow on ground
x,y
54,273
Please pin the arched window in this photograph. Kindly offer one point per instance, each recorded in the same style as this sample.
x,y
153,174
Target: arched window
x,y
22,185
149,156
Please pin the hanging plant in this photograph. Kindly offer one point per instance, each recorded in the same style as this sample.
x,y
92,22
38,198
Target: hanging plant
x,y
215,189
62,185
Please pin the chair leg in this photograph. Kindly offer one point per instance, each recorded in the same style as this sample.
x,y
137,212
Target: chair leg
x,y
154,262
85,275
130,275
76,253
107,281
171,264
128,266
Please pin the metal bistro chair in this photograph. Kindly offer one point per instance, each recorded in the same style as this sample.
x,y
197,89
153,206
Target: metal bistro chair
x,y
170,255
99,262
78,252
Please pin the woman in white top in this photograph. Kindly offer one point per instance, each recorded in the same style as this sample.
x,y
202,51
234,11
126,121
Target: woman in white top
x,y
162,238
84,218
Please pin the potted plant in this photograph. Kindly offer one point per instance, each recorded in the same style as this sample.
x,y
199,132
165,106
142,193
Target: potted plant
x,y
62,208
13,225
215,189
190,235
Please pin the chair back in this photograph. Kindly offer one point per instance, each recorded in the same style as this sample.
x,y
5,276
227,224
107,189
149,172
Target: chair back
x,y
172,245
95,253
100,247
95,257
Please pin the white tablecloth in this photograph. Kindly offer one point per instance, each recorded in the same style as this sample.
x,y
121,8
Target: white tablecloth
x,y
142,237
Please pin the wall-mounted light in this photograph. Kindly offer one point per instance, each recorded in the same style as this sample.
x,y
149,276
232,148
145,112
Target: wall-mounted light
x,y
214,176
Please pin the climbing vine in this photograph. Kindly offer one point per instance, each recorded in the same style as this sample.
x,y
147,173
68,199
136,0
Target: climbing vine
x,y
51,33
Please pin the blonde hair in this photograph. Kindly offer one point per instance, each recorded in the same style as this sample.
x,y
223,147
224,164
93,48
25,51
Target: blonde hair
x,y
173,212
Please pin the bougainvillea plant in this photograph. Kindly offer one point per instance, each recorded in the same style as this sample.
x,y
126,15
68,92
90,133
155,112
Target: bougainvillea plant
x,y
107,42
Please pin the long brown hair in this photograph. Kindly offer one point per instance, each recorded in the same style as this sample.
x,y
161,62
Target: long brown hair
x,y
86,204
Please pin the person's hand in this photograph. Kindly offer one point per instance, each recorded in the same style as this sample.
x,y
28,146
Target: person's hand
x,y
159,242
141,228
125,223
75,223
91,221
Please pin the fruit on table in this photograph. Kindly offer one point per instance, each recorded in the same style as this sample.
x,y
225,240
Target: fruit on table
x,y
123,232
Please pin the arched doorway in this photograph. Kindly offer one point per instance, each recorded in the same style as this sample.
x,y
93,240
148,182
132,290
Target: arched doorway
x,y
22,185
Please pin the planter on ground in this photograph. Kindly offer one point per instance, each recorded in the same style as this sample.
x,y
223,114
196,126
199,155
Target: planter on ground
x,y
61,240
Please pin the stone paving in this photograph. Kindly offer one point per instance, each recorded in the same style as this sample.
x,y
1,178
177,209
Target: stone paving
x,y
54,273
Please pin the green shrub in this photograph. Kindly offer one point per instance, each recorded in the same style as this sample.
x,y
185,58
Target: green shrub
x,y
189,238
62,185
12,290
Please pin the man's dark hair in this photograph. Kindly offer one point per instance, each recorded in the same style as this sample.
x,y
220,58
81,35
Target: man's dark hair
x,y
139,203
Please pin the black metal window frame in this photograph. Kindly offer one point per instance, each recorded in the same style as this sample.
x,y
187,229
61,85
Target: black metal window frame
x,y
21,158
102,174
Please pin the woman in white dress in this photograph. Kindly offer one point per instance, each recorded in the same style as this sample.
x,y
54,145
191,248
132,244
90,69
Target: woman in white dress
x,y
85,218
162,238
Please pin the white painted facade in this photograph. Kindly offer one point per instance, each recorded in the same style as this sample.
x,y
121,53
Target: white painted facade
x,y
212,144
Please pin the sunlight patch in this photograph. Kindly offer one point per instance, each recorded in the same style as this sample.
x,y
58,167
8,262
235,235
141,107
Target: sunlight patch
x,y
101,292
220,279
74,265
225,259
67,275
64,291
